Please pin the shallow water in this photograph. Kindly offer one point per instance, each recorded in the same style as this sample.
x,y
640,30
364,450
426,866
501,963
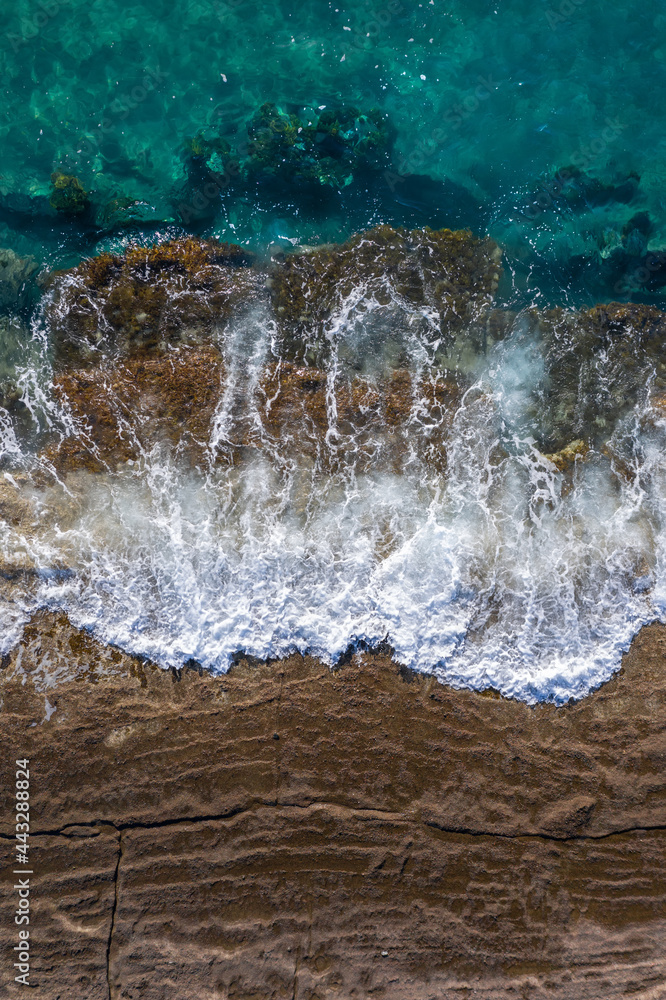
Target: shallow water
x,y
498,569
489,101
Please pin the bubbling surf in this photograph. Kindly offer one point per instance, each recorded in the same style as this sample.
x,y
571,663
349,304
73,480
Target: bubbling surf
x,y
345,447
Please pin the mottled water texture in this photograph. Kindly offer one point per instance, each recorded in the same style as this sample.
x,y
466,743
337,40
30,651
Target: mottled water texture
x,y
536,122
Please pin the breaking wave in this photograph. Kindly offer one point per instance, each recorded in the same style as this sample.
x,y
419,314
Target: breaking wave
x,y
490,506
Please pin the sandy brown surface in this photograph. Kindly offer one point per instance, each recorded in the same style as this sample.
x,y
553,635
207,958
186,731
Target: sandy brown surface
x,y
292,831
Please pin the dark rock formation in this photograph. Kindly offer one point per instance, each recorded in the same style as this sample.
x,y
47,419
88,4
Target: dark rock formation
x,y
451,274
292,831
600,362
148,298
68,195
327,150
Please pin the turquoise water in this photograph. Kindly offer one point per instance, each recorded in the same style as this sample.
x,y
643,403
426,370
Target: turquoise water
x,y
522,542
487,102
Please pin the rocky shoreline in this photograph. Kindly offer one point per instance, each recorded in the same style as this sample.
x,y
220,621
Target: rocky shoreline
x,y
288,830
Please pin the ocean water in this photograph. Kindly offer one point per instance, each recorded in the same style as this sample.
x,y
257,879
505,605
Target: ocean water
x,y
488,103
537,124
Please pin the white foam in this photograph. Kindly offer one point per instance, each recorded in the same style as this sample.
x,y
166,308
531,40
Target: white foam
x,y
490,574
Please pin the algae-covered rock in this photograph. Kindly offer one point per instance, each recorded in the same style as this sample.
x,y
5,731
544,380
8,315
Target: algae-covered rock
x,y
121,410
444,279
148,297
68,195
372,425
566,457
325,150
212,150
598,364
16,274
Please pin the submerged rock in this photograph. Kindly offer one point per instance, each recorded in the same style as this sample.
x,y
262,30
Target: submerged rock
x,y
16,274
148,298
124,212
68,195
327,150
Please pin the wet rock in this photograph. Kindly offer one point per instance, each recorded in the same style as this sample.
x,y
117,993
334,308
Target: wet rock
x,y
16,279
376,424
598,363
15,505
442,280
401,838
121,410
148,298
566,458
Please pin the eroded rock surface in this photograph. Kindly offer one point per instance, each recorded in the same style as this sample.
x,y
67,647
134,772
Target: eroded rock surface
x,y
291,831
437,280
148,299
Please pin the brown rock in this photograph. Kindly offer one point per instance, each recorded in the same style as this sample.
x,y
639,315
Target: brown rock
x,y
149,298
376,423
72,896
451,274
122,409
288,830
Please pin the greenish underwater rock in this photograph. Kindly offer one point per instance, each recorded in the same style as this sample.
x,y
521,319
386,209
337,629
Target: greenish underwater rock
x,y
16,279
123,212
326,149
210,149
68,195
